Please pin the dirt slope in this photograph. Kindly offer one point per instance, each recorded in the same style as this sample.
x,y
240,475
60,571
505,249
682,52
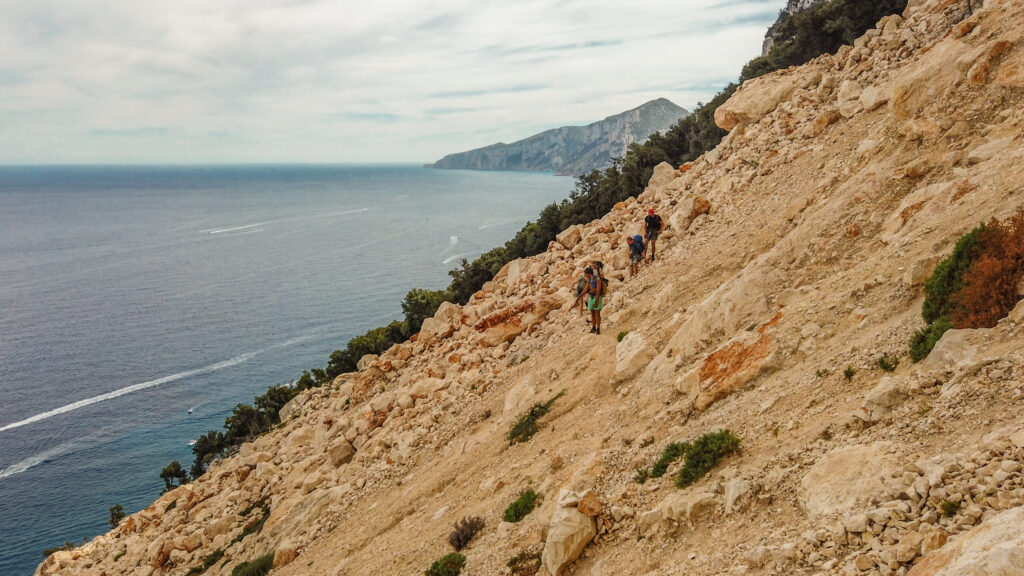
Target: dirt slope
x,y
795,251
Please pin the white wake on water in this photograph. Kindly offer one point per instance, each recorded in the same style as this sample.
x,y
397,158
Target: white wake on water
x,y
36,459
456,257
247,226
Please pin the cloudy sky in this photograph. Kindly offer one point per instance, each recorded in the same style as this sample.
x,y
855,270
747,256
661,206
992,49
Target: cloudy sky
x,y
200,81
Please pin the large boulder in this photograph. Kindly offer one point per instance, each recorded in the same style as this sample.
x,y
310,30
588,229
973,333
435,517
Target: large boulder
x,y
995,548
568,534
632,355
365,361
663,174
756,98
844,479
507,324
881,400
571,236
743,358
927,80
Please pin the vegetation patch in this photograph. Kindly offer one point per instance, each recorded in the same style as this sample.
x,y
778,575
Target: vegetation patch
x,y
171,506
672,452
257,567
525,563
450,565
704,454
465,530
208,562
621,335
888,363
116,515
523,505
849,373
254,527
64,546
526,426
949,508
976,285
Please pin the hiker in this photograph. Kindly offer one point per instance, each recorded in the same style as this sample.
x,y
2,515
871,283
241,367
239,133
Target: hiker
x,y
635,244
594,292
653,225
581,285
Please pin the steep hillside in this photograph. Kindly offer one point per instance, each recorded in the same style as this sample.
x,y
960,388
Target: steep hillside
x,y
572,150
792,264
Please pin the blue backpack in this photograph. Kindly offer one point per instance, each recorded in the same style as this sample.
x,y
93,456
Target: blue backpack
x,y
638,244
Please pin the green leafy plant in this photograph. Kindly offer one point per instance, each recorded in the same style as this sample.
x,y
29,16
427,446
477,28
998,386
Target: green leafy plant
x,y
621,335
254,527
171,506
704,454
257,567
523,505
642,475
526,426
449,565
116,515
525,563
672,452
465,530
949,508
887,363
849,373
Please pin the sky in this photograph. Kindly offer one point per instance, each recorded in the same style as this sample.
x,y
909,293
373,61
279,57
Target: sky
x,y
283,81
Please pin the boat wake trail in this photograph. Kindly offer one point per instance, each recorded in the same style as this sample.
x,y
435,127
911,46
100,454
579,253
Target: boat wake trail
x,y
247,227
455,257
128,390
36,459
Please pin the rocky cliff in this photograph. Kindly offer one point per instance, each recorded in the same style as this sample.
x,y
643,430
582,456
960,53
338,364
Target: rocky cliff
x,y
572,150
792,7
792,263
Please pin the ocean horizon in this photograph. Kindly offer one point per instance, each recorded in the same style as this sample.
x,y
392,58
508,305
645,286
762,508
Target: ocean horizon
x,y
140,303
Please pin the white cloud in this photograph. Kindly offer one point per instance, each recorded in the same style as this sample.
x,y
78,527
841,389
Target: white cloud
x,y
321,81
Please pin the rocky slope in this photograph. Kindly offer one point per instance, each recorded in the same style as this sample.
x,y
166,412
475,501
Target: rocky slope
x,y
795,253
572,150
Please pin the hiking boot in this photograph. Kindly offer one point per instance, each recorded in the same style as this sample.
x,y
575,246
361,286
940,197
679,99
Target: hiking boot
x,y
593,330
598,332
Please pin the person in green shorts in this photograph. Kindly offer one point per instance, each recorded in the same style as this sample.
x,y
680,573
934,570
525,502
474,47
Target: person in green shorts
x,y
594,292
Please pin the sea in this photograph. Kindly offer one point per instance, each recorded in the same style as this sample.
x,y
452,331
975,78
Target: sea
x,y
140,304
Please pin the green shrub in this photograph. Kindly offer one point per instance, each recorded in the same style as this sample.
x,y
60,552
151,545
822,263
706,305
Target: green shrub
x,y
641,476
887,363
465,530
948,279
526,426
450,565
922,342
704,453
672,452
257,567
849,373
525,563
171,506
420,304
116,515
254,527
621,335
119,555
65,546
949,508
523,505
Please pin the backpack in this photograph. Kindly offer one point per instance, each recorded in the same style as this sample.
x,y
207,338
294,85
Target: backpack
x,y
638,243
581,284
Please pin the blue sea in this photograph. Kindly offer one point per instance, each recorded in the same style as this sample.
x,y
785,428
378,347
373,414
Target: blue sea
x,y
138,305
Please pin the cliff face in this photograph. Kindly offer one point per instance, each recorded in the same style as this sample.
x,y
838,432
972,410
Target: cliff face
x,y
792,7
792,262
572,150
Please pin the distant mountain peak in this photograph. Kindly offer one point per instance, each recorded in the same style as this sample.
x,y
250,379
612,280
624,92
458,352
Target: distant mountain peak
x,y
572,150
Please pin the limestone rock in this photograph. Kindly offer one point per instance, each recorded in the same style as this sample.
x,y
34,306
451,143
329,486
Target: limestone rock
x,y
663,174
843,478
756,98
881,400
341,452
989,150
1011,72
570,237
735,491
568,534
873,97
928,79
285,554
632,355
995,548
365,361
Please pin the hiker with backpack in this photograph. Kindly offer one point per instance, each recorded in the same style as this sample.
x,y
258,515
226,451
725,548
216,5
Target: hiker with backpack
x,y
635,244
581,285
594,293
653,225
